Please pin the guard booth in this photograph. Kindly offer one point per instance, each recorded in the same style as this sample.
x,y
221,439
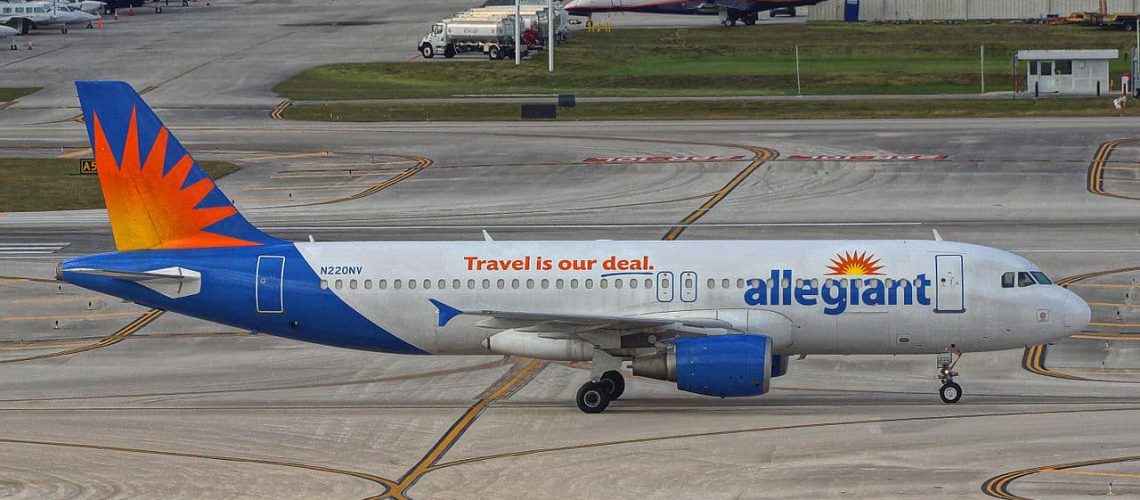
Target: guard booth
x,y
1067,72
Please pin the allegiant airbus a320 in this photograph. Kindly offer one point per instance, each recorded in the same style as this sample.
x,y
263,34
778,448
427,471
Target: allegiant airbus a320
x,y
720,318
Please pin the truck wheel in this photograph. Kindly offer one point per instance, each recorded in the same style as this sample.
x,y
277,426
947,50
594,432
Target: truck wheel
x,y
493,53
1129,27
427,51
449,51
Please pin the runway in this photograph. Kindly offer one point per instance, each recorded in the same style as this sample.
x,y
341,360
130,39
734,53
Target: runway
x,y
100,398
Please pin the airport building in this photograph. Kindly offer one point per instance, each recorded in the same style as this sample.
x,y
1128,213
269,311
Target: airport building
x,y
922,10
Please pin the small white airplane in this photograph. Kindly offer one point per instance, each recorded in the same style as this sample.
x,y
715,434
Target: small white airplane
x,y
720,318
24,16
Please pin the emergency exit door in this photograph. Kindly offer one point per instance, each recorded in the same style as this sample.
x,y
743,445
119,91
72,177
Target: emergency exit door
x,y
950,292
270,296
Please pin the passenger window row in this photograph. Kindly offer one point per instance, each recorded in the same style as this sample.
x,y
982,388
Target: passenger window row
x,y
1022,279
740,283
487,284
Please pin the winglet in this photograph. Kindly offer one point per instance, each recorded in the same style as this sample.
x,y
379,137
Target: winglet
x,y
446,312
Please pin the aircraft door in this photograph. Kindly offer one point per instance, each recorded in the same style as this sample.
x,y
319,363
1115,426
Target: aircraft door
x,y
688,286
665,286
950,291
270,296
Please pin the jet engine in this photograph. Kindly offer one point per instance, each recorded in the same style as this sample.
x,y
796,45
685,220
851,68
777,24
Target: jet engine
x,y
721,365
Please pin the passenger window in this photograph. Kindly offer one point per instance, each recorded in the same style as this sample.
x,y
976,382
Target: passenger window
x,y
1041,278
486,284
648,283
605,283
455,284
559,283
397,284
740,283
617,283
573,283
367,284
688,283
470,284
500,284
352,284
339,284
530,284
515,284
1024,279
324,284
442,284
633,282
712,283
411,284
664,283
725,283
589,284
427,284
1007,280
382,284
545,283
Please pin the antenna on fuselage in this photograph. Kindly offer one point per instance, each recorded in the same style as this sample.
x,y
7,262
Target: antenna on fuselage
x,y
937,237
487,236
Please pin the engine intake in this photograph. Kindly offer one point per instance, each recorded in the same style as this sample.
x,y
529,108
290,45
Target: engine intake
x,y
723,365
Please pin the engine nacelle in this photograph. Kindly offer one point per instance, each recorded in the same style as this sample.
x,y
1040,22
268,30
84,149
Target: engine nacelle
x,y
779,365
722,365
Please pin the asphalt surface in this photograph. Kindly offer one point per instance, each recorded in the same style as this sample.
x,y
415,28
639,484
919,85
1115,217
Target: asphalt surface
x,y
99,398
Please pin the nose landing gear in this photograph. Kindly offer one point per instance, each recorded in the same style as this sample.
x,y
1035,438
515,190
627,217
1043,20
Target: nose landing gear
x,y
950,392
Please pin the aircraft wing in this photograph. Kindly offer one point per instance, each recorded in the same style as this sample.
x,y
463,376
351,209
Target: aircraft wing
x,y
585,326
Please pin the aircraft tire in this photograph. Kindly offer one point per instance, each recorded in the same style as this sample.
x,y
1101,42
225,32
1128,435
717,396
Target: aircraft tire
x,y
950,392
427,51
593,397
615,383
64,30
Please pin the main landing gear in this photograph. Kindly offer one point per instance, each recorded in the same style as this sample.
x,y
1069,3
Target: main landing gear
x,y
594,397
950,392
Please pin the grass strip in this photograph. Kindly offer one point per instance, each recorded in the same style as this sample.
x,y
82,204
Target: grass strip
x,y
36,184
721,110
13,93
835,58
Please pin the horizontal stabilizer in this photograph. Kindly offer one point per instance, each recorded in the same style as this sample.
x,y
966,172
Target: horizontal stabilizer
x,y
173,282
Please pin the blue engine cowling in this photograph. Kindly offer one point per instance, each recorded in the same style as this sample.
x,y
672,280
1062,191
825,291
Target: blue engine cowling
x,y
724,365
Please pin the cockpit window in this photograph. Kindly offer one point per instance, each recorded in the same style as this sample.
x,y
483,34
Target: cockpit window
x,y
1041,278
1024,279
1007,280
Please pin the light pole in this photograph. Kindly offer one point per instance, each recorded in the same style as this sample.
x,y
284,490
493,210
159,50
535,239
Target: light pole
x,y
550,36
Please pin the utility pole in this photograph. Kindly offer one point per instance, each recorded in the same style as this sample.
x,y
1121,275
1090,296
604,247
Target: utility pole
x,y
799,89
518,34
983,58
550,36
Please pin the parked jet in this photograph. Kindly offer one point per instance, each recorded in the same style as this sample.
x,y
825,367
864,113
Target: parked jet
x,y
720,318
9,33
730,11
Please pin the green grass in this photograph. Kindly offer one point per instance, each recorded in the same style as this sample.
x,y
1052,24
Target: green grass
x,y
34,184
13,93
836,58
718,110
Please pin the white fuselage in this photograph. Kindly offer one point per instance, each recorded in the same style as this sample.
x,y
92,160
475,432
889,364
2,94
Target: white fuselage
x,y
925,296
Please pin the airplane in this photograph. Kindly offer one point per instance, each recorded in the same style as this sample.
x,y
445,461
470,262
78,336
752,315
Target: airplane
x,y
718,318
25,16
730,11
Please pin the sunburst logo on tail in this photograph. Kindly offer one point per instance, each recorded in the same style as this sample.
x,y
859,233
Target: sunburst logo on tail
x,y
155,202
855,263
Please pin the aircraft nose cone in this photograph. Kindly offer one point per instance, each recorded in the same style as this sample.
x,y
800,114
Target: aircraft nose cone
x,y
1077,313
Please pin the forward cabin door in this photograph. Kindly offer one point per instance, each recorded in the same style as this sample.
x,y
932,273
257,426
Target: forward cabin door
x,y
950,292
270,296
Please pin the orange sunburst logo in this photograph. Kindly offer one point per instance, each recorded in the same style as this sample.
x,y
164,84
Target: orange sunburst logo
x,y
150,208
855,263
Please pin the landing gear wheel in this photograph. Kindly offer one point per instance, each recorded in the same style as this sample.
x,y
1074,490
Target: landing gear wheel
x,y
950,392
158,10
593,397
64,30
427,51
615,383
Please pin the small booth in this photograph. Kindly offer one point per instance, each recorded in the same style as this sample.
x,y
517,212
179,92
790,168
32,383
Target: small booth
x,y
1067,72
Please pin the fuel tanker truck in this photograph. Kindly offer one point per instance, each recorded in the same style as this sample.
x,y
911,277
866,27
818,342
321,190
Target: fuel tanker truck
x,y
495,38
